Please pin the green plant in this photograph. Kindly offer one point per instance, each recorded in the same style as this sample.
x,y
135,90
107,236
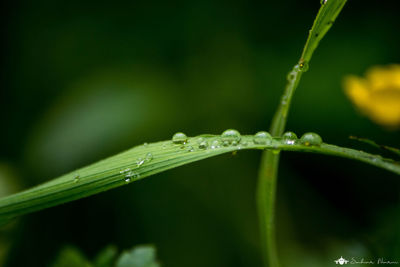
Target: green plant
x,y
145,160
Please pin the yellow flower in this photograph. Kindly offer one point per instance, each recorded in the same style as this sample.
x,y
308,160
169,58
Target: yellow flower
x,y
377,95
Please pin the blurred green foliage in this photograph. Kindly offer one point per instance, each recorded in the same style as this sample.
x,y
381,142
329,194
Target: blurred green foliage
x,y
85,80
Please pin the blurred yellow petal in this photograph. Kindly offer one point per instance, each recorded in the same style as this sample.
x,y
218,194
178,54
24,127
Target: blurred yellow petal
x,y
385,107
377,96
357,91
381,78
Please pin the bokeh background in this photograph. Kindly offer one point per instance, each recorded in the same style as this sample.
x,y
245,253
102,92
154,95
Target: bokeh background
x,y
83,80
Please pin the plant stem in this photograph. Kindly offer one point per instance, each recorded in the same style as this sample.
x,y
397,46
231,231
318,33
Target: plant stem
x,y
266,187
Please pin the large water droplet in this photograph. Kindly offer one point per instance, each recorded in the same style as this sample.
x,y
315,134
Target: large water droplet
x,y
203,145
229,136
262,138
289,138
311,139
179,138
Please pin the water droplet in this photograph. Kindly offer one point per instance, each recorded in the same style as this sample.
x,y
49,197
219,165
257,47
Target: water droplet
x,y
149,156
124,171
190,149
225,143
145,144
201,139
230,136
262,138
301,67
311,139
323,2
127,180
140,162
289,138
243,143
179,138
291,76
76,178
234,143
215,144
203,145
131,174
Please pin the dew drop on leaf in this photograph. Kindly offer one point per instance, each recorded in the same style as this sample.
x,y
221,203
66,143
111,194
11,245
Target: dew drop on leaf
x,y
124,171
149,156
139,162
262,138
179,138
311,139
201,139
76,178
215,144
289,138
203,145
230,136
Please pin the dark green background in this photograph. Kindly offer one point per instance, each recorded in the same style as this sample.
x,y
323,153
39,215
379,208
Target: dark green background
x,y
83,80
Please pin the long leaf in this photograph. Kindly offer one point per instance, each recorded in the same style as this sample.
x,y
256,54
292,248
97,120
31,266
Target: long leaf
x,y
145,160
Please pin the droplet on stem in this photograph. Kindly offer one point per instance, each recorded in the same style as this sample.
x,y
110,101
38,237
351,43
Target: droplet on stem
x,y
311,139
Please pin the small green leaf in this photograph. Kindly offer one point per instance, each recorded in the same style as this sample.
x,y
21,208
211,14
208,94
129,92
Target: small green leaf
x,y
71,256
139,256
106,257
373,143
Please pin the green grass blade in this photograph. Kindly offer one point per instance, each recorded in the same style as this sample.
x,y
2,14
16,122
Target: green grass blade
x,y
327,14
131,165
374,144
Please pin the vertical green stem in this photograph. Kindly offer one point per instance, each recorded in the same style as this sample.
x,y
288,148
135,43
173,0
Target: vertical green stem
x,y
266,187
